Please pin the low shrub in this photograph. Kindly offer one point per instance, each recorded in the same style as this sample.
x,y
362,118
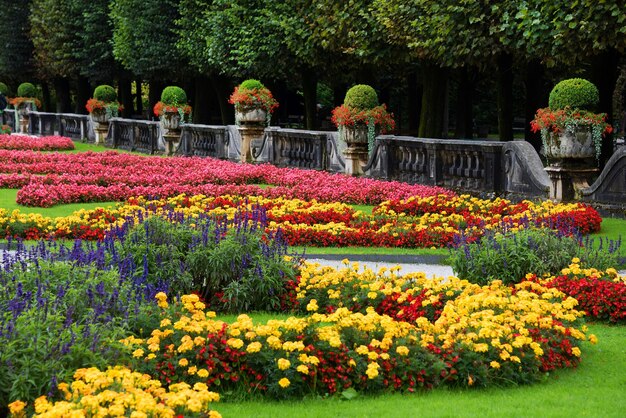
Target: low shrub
x,y
361,97
105,93
173,96
4,89
509,256
575,93
27,90
251,84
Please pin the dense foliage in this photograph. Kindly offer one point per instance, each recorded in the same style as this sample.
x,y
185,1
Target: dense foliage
x,y
575,93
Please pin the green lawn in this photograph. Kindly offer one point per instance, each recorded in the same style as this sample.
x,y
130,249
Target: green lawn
x,y
595,389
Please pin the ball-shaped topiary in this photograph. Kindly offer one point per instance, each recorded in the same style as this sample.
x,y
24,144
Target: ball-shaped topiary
x,y
577,93
105,93
361,97
4,89
173,96
27,90
251,84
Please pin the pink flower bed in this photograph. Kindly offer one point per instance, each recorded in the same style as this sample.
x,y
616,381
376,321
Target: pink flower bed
x,y
23,142
46,180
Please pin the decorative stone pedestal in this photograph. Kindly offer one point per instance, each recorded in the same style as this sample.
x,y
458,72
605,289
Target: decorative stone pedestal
x,y
566,183
23,113
356,154
249,132
172,141
170,123
356,158
100,129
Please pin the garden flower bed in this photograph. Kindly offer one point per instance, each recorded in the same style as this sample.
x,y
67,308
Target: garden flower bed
x,y
439,221
24,142
48,179
355,330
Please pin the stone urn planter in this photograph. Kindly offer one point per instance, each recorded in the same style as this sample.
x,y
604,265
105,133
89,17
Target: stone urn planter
x,y
23,114
570,145
356,152
170,121
100,120
99,116
251,116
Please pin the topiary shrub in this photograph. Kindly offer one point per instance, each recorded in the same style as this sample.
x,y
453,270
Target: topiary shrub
x,y
27,90
361,97
173,96
577,93
251,84
4,89
105,93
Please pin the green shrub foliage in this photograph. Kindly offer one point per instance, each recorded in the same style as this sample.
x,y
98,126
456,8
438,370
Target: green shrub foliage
x,y
27,90
577,93
251,84
4,89
511,256
105,93
361,97
173,96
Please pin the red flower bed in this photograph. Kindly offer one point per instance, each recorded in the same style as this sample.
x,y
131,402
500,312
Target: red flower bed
x,y
600,299
93,177
24,142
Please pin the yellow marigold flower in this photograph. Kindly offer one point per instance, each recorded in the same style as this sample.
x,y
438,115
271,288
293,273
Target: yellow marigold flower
x,y
283,363
372,372
214,414
138,353
254,347
495,364
576,351
284,382
372,295
302,369
192,370
203,373
372,355
312,306
183,362
16,407
161,296
166,323
362,349
352,362
235,343
151,356
402,350
593,339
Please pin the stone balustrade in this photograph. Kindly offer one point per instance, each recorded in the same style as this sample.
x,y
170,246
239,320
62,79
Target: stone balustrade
x,y
133,135
485,168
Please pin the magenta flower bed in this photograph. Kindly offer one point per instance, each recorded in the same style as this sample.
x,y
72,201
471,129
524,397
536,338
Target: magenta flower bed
x,y
46,180
47,143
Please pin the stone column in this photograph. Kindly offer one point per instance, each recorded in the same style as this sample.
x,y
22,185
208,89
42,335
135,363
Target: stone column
x,y
566,182
101,129
249,132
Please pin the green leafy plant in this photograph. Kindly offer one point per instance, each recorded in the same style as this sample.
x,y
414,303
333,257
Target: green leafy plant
x,y
252,94
360,108
104,99
570,110
4,89
575,93
173,99
173,96
105,93
27,90
361,97
509,257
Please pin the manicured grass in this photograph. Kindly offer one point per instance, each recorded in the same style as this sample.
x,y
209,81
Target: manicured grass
x,y
7,201
84,147
595,389
373,250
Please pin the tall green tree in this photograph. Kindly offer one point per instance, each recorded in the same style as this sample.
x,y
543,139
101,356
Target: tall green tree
x,y
16,64
144,41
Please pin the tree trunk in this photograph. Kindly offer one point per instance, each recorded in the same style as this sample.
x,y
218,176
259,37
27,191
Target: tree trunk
x,y
201,103
154,95
415,92
604,74
309,89
464,112
83,93
62,89
138,97
536,98
125,96
222,87
45,91
433,101
505,96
